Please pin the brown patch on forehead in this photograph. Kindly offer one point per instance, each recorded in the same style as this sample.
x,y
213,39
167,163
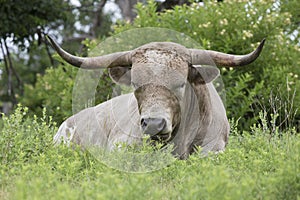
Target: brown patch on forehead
x,y
162,55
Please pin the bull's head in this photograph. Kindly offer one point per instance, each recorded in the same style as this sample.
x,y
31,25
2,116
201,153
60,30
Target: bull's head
x,y
159,73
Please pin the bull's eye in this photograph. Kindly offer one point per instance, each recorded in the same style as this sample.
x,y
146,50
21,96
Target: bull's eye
x,y
134,85
179,89
181,85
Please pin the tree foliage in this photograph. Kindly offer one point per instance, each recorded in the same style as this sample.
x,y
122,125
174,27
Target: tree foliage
x,y
21,20
24,23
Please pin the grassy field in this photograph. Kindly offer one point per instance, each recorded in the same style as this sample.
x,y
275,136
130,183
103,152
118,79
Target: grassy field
x,y
255,165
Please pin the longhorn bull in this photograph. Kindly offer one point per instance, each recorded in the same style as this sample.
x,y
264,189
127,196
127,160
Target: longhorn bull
x,y
174,100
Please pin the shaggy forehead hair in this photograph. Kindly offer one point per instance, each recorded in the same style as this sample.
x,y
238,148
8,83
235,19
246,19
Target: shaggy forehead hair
x,y
172,55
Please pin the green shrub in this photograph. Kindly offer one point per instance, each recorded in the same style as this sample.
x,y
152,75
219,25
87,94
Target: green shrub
x,y
255,165
19,133
239,95
57,89
53,91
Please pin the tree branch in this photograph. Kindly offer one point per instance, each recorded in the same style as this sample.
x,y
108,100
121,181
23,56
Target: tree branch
x,y
8,71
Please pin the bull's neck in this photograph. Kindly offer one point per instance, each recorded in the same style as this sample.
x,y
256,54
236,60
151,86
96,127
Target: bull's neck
x,y
202,94
195,112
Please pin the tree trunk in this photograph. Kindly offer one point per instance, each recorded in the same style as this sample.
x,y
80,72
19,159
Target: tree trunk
x,y
97,18
8,71
127,8
12,70
169,4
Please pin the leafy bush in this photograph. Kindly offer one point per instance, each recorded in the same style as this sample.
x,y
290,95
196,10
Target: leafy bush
x,y
239,96
237,27
255,165
16,146
55,91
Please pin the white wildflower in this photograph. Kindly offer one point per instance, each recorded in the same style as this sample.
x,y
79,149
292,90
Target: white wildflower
x,y
247,34
223,31
206,25
287,21
224,22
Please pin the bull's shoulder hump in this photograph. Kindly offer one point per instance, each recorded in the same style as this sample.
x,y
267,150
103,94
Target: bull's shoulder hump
x,y
119,99
105,107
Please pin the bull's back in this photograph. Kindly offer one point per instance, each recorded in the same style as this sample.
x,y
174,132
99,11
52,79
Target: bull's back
x,y
104,125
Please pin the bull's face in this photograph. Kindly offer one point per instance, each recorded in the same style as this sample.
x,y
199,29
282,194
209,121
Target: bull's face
x,y
159,79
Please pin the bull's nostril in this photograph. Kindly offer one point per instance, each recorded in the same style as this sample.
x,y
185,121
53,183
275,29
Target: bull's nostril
x,y
144,123
153,126
161,124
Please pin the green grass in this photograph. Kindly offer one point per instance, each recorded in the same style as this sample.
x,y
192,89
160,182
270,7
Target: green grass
x,y
254,166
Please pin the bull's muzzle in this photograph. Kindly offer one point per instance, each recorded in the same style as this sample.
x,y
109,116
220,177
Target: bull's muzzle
x,y
153,126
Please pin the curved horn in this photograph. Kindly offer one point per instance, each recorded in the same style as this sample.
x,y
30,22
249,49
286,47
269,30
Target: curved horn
x,y
110,60
207,57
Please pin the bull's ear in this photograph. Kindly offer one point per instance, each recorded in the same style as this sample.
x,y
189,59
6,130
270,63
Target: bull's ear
x,y
202,75
120,75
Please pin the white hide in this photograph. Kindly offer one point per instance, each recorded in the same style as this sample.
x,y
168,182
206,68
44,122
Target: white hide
x,y
118,120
